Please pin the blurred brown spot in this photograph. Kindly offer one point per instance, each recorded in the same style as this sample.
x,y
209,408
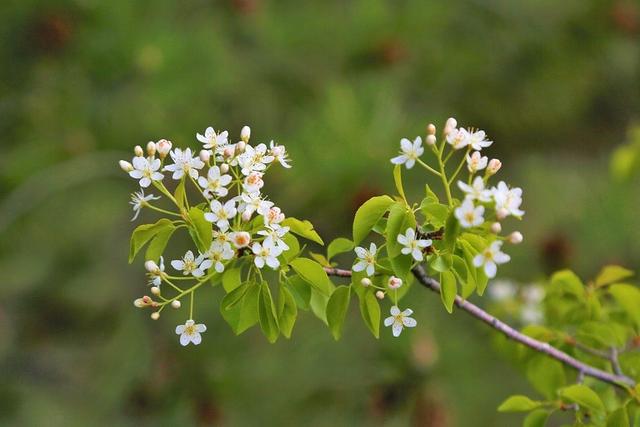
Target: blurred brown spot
x,y
51,32
391,52
363,194
555,252
245,7
424,351
626,17
430,411
208,413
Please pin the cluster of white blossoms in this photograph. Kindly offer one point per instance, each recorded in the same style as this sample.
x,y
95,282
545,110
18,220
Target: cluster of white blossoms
x,y
524,301
229,177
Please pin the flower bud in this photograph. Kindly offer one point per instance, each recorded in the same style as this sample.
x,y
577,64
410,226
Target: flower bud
x,y
380,295
175,303
515,238
163,147
137,150
151,149
394,282
151,266
502,213
245,133
125,166
224,168
246,216
241,239
139,302
493,167
155,315
240,147
496,228
205,155
365,282
431,129
155,290
450,125
431,140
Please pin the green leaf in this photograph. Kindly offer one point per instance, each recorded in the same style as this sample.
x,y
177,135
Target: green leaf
x,y
302,229
537,418
629,299
397,179
287,311
441,263
618,418
430,194
583,396
318,304
337,309
368,215
294,247
448,289
339,246
320,259
313,273
267,314
231,279
451,231
435,213
143,233
202,228
159,243
370,311
611,274
567,281
300,290
179,194
400,219
239,310
518,403
546,375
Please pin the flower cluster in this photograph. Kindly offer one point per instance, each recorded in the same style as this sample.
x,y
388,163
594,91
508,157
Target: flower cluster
x,y
522,301
229,177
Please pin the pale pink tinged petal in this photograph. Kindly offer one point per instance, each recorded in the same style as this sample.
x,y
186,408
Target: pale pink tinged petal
x,y
394,310
417,143
410,163
389,321
490,269
177,264
189,256
201,327
405,145
259,262
196,338
139,162
135,174
478,260
155,164
410,233
225,179
409,322
371,270
396,329
180,329
360,266
360,251
256,248
184,339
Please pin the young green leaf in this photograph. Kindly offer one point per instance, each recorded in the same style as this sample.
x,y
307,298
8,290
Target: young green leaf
x,y
435,213
294,247
583,396
337,309
159,243
451,231
339,246
618,418
202,229
241,313
231,279
267,314
567,281
537,418
612,274
368,215
143,233
370,311
287,311
302,229
397,178
518,403
448,289
312,273
180,194
546,375
318,304
401,218
629,299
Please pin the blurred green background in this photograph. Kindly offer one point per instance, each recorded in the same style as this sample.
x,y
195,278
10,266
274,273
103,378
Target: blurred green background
x,y
555,84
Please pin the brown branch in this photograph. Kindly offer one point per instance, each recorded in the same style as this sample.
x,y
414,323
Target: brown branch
x,y
584,369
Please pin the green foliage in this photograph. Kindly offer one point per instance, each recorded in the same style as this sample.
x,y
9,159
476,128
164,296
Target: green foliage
x,y
312,273
368,215
338,246
518,403
303,229
144,233
370,311
337,309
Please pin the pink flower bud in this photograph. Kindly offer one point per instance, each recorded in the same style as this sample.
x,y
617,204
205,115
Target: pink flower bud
x,y
155,290
496,228
380,295
515,238
431,140
493,167
139,302
450,125
224,168
151,266
394,282
175,303
205,155
502,213
245,133
240,147
163,147
246,216
431,129
229,152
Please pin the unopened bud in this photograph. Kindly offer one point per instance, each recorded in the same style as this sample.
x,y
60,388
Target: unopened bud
x,y
431,129
394,282
246,216
139,302
224,168
163,147
137,150
380,295
502,213
240,147
205,155
151,149
450,125
431,140
515,238
155,315
151,266
155,290
496,228
245,133
493,167
125,166
365,282
175,303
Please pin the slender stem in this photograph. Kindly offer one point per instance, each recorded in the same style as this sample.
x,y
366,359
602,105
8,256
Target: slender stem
x,y
191,305
419,272
199,188
462,162
427,167
160,186
445,182
164,211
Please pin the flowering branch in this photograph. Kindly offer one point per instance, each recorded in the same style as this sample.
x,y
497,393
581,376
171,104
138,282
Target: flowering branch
x,y
583,369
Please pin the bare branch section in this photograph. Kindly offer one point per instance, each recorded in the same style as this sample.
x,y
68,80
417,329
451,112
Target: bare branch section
x,y
583,369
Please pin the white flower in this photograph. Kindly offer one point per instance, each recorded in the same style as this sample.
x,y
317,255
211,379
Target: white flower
x,y
475,191
279,153
468,215
476,162
219,252
412,245
190,332
146,170
221,214
458,138
221,235
139,200
252,202
265,254
394,282
214,183
155,276
240,239
490,258
254,159
245,133
502,290
212,140
253,182
508,200
533,294
400,320
191,265
184,164
273,216
273,236
477,140
531,314
366,259
410,152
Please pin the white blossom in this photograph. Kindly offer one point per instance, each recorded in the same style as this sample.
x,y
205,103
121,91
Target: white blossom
x,y
366,259
458,138
252,202
184,164
219,252
490,258
146,170
279,153
221,214
138,201
265,254
476,162
468,215
192,265
190,332
254,159
212,140
412,245
399,320
253,182
155,275
410,152
508,200
240,239
273,216
273,236
531,315
477,140
214,183
476,190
